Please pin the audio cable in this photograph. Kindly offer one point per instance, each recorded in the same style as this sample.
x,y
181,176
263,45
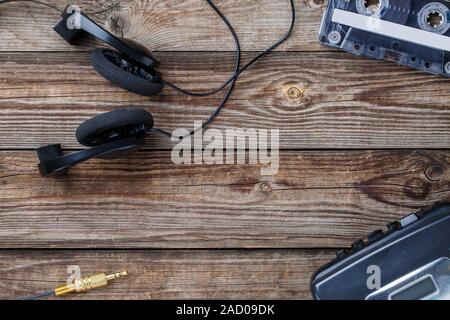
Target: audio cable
x,y
80,285
237,72
230,84
39,295
34,1
246,66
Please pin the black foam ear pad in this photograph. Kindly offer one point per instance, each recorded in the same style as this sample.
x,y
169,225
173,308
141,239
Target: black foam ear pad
x,y
114,67
117,124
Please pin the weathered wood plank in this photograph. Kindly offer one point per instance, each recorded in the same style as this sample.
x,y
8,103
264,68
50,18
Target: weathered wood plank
x,y
326,100
170,25
242,274
318,199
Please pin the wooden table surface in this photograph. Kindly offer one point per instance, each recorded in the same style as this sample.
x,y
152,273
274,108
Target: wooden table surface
x,y
363,143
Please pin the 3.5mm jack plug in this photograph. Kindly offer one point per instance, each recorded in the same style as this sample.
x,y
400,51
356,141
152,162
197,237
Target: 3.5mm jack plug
x,y
89,283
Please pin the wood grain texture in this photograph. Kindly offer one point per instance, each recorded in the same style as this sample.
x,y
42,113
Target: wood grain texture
x,y
317,200
325,100
169,25
210,274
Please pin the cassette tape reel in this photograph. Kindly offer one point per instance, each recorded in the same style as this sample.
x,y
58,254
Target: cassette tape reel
x,y
415,33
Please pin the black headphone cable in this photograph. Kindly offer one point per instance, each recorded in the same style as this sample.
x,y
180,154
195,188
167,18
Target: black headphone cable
x,y
34,1
231,83
238,71
246,66
39,295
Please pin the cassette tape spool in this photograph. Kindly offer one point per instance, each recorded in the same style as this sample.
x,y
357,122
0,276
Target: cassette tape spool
x,y
415,33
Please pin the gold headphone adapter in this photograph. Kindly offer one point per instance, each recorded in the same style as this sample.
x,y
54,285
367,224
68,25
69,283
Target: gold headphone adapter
x,y
89,283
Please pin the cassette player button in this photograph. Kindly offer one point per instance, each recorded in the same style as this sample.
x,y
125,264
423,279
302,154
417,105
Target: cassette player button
x,y
357,245
394,226
406,221
341,254
375,236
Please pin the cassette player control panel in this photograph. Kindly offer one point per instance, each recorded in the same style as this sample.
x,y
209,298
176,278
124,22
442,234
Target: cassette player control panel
x,y
410,260
414,33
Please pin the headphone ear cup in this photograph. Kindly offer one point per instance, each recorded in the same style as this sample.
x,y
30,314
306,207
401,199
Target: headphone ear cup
x,y
114,125
112,66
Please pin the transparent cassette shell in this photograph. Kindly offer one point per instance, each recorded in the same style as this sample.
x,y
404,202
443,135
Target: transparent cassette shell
x,y
431,19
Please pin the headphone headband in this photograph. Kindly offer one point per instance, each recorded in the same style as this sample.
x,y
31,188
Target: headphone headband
x,y
53,161
75,21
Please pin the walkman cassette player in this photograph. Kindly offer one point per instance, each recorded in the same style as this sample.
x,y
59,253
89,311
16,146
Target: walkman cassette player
x,y
409,261
415,33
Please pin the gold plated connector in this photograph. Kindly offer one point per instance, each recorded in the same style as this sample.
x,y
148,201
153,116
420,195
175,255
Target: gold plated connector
x,y
88,283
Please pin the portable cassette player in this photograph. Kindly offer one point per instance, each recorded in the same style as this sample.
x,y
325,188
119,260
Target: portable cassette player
x,y
409,261
415,33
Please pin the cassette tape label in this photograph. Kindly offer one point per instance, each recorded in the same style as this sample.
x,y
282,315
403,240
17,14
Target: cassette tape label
x,y
414,33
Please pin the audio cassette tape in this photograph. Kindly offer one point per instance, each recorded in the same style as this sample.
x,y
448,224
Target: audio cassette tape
x,y
414,33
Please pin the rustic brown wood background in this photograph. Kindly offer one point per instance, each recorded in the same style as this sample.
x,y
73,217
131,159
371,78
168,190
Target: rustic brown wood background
x,y
363,143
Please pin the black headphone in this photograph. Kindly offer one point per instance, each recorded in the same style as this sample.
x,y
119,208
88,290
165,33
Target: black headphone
x,y
109,136
114,134
132,67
